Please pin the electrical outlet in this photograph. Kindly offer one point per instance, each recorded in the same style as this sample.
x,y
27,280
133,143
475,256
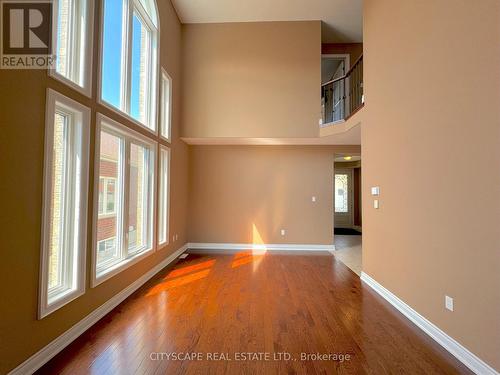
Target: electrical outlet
x,y
283,232
448,302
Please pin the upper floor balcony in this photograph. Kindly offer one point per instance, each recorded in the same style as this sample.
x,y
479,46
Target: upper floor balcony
x,y
342,92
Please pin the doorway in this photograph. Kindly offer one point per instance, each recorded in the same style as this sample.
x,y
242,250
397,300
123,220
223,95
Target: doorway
x,y
347,210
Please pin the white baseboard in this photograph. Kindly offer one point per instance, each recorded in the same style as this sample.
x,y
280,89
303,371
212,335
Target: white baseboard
x,y
41,357
465,356
267,247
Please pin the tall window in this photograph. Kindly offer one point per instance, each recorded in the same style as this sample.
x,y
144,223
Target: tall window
x,y
163,196
73,43
65,202
166,105
129,58
125,178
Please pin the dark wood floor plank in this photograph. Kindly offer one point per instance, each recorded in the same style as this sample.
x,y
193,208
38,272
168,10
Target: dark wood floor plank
x,y
244,302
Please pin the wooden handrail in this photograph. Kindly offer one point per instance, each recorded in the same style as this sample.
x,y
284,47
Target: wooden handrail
x,y
345,75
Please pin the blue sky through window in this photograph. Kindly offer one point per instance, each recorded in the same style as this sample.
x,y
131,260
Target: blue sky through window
x,y
112,51
138,71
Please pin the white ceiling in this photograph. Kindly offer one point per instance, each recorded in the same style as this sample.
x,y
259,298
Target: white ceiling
x,y
342,19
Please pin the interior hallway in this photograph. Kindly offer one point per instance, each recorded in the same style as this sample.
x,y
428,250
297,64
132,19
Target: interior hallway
x,y
244,302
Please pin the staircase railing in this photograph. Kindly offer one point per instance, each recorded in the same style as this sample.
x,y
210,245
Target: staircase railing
x,y
341,97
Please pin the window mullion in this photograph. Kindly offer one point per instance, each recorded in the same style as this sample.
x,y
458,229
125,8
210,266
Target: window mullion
x,y
64,238
149,83
129,50
126,203
125,58
82,41
76,32
70,53
146,224
69,203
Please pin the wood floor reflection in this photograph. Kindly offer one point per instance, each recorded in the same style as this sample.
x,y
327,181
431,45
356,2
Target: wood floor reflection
x,y
242,302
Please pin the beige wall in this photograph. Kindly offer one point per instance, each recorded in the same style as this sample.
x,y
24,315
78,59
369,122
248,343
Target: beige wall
x,y
251,79
22,111
234,188
431,141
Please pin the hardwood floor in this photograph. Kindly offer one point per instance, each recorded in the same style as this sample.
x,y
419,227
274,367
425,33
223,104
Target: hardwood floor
x,y
255,303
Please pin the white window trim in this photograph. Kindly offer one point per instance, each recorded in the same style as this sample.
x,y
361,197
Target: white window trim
x,y
155,65
113,126
167,234
106,213
86,89
44,308
166,76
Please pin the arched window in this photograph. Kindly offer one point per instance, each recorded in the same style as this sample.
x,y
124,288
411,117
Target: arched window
x,y
129,65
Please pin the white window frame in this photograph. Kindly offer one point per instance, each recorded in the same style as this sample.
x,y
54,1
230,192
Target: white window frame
x,y
105,240
86,6
166,209
80,140
102,122
166,106
151,124
105,212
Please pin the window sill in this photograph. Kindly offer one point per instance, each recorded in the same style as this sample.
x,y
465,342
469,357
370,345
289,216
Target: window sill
x,y
84,90
100,277
59,301
166,139
163,245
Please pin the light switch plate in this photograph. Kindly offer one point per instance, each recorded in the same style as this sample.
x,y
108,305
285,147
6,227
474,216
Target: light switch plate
x,y
448,302
375,203
313,199
375,190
